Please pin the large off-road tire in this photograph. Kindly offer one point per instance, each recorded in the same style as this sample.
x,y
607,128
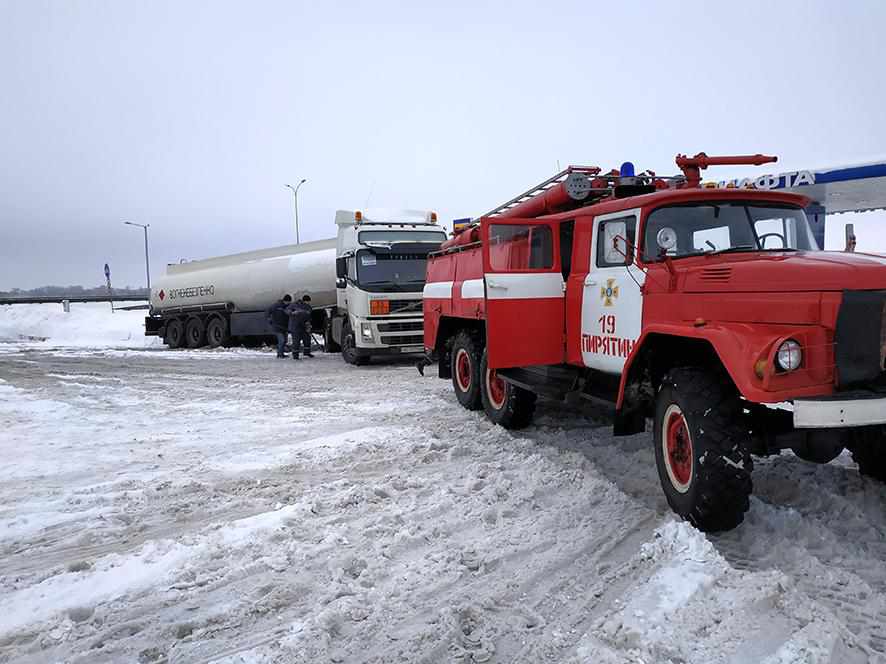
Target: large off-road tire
x,y
701,449
466,360
217,333
508,405
349,348
195,333
868,445
175,333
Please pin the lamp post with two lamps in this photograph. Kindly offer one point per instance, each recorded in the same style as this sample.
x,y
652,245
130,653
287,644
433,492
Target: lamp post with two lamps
x,y
295,198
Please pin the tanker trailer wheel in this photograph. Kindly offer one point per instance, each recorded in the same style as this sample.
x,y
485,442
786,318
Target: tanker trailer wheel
x,y
868,445
195,333
217,332
701,449
349,348
508,405
466,362
175,333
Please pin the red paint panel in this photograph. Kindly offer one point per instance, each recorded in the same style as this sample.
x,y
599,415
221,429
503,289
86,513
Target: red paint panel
x,y
520,332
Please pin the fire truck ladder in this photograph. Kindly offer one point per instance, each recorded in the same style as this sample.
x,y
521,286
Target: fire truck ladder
x,y
559,178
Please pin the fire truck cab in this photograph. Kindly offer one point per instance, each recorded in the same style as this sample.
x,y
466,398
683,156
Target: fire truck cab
x,y
711,311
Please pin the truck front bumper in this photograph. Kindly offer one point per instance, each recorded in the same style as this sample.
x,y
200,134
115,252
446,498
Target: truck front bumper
x,y
838,413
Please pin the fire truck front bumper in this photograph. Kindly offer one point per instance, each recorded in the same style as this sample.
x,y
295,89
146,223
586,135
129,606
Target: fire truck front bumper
x,y
833,413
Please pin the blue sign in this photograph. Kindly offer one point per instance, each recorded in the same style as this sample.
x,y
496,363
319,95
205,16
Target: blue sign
x,y
107,271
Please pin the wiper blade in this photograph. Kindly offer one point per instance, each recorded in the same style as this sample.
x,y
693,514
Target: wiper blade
x,y
728,250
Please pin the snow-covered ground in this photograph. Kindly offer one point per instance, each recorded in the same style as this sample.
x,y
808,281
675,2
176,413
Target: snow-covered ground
x,y
226,506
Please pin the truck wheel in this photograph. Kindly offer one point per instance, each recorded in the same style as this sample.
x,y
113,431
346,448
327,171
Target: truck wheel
x,y
508,405
349,349
329,345
701,451
175,333
466,371
868,445
195,333
217,332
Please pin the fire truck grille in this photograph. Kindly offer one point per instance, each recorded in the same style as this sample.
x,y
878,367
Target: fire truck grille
x,y
403,340
861,340
409,326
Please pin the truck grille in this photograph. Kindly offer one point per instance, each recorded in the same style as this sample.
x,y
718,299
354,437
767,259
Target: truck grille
x,y
403,340
408,326
405,306
861,340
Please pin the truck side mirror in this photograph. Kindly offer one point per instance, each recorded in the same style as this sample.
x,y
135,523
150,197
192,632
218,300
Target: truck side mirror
x,y
341,268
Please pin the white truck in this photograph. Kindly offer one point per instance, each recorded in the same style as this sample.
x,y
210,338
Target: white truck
x,y
365,286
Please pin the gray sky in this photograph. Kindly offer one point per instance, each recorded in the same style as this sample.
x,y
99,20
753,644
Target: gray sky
x,y
191,116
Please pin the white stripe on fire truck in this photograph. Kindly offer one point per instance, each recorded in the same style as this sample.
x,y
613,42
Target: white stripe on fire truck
x,y
523,286
472,288
438,289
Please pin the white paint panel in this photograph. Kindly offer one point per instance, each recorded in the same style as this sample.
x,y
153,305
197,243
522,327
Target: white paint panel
x,y
441,289
523,286
811,414
472,289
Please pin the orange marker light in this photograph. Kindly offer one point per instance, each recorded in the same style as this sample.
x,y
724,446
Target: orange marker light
x,y
358,216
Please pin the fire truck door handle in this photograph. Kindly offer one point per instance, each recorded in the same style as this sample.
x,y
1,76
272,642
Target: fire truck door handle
x,y
591,282
495,284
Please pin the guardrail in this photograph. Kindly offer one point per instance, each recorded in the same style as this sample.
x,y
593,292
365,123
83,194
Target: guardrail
x,y
55,299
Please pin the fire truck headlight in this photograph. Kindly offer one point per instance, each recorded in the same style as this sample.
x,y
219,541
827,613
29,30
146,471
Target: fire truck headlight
x,y
366,330
789,356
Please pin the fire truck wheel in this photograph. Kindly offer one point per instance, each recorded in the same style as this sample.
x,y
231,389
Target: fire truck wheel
x,y
217,332
175,333
868,447
195,333
466,370
701,449
508,405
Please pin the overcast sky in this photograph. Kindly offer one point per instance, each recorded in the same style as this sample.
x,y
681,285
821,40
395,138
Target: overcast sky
x,y
191,116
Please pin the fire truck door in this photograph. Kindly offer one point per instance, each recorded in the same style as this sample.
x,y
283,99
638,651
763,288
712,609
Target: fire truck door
x,y
525,294
612,306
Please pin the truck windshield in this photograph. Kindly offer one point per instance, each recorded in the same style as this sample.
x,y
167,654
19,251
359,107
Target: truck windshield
x,y
401,236
390,272
708,228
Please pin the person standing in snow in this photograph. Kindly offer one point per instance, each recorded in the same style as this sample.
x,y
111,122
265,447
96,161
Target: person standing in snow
x,y
300,325
278,318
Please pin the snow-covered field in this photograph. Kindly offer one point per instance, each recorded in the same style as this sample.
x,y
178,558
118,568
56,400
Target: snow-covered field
x,y
226,506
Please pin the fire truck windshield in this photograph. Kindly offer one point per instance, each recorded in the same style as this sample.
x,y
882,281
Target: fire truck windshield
x,y
694,229
390,272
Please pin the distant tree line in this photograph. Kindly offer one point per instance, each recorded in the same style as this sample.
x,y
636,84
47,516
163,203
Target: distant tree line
x,y
74,291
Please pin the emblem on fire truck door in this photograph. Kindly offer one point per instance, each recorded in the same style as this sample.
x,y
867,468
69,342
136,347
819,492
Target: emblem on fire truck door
x,y
609,293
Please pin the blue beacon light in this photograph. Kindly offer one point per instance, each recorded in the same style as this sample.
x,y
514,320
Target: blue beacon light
x,y
626,170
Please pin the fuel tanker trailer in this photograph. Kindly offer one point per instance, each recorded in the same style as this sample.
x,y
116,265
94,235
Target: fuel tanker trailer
x,y
365,286
221,301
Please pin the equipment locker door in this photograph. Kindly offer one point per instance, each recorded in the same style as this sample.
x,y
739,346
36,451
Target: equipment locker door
x,y
525,294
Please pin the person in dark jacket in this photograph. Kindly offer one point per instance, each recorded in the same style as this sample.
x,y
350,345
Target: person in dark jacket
x,y
300,325
278,318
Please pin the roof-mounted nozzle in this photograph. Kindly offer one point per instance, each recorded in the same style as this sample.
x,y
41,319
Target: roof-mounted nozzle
x,y
692,166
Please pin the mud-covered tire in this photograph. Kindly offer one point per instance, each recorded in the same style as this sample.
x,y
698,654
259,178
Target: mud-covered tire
x,y
349,349
868,446
174,336
466,359
217,333
701,449
195,333
505,404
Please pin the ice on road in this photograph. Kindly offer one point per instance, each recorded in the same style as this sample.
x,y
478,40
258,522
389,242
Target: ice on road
x,y
226,506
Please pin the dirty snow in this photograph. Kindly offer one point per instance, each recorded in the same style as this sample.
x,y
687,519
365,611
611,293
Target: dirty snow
x,y
226,506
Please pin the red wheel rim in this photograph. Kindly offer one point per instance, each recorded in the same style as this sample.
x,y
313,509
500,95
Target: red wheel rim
x,y
495,389
463,369
677,448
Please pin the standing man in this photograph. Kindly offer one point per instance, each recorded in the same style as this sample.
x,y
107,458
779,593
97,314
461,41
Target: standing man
x,y
300,325
278,318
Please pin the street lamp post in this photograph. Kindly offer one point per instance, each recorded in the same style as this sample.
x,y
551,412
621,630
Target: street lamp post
x,y
295,199
145,228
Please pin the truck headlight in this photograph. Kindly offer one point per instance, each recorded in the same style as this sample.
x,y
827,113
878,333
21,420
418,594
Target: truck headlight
x,y
789,356
366,330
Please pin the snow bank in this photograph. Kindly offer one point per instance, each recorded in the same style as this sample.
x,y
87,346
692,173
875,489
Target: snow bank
x,y
90,325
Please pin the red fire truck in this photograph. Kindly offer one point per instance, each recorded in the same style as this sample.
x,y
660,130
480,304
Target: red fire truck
x,y
711,311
